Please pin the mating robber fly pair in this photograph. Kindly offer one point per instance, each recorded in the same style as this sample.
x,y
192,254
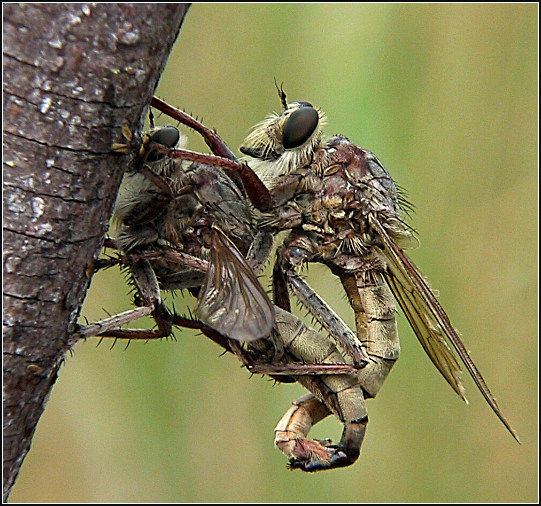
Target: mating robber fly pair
x,y
207,223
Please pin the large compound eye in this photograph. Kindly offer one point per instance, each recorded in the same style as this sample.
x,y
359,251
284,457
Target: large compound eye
x,y
300,126
168,136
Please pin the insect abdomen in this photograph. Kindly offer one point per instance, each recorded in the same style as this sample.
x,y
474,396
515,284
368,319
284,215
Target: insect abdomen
x,y
375,318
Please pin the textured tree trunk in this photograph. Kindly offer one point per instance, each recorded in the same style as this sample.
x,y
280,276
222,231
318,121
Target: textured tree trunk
x,y
74,74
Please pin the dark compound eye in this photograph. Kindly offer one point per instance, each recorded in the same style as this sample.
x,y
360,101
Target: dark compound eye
x,y
168,136
300,126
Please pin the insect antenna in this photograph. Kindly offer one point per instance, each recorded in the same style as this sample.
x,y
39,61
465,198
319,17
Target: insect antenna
x,y
281,93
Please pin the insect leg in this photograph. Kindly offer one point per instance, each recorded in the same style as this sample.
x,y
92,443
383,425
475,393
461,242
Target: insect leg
x,y
147,285
114,322
224,157
280,288
211,138
284,274
150,303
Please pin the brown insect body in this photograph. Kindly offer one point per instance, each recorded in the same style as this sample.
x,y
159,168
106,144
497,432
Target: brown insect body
x,y
346,212
202,196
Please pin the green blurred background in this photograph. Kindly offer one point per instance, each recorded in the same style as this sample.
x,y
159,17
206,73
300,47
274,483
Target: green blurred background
x,y
446,96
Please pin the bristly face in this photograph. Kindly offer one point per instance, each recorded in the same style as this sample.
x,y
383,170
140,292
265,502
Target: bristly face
x,y
283,142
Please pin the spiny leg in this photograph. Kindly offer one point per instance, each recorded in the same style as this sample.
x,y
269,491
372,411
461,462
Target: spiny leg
x,y
223,156
113,323
109,328
289,259
149,302
146,284
211,138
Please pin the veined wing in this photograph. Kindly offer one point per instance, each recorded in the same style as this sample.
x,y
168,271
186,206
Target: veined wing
x,y
232,300
430,322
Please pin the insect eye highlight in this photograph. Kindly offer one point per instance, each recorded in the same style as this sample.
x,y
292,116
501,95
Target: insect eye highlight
x,y
300,126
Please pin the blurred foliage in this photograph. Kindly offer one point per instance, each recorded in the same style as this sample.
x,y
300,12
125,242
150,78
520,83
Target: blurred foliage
x,y
446,96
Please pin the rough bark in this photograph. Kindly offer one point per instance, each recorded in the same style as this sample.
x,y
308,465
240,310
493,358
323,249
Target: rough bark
x,y
74,74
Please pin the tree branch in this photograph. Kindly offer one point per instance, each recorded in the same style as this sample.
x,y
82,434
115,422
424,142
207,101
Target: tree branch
x,y
74,74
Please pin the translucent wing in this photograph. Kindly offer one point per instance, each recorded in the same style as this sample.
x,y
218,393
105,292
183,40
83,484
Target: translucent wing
x,y
430,322
231,300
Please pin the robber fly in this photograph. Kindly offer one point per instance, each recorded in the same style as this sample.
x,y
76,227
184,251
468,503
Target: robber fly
x,y
345,211
173,206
